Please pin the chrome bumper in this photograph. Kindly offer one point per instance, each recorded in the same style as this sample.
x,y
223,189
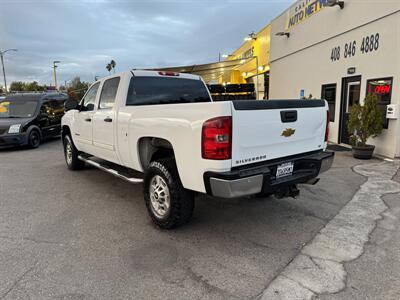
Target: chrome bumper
x,y
236,188
261,178
326,164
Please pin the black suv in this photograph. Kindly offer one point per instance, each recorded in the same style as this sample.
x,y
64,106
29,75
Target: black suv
x,y
29,118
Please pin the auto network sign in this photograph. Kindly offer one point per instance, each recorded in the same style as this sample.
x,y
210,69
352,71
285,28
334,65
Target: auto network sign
x,y
302,10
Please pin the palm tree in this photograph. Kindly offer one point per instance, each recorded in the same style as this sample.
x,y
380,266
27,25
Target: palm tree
x,y
109,67
113,64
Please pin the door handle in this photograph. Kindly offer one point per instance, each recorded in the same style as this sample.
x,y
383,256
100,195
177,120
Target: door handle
x,y
88,120
108,119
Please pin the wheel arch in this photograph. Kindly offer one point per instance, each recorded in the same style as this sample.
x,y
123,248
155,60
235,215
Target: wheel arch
x,y
153,148
65,130
34,127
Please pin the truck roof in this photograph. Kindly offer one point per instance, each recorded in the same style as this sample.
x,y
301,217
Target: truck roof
x,y
31,96
157,73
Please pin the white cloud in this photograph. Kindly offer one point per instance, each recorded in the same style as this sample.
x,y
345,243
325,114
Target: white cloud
x,y
86,35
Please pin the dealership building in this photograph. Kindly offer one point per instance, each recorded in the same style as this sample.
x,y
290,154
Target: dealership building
x,y
331,49
340,53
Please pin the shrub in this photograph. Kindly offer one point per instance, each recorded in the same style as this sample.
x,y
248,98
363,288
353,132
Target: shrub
x,y
365,121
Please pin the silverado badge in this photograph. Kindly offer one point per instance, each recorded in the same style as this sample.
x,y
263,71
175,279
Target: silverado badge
x,y
288,132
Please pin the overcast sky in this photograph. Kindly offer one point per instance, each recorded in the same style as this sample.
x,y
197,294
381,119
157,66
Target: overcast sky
x,y
85,35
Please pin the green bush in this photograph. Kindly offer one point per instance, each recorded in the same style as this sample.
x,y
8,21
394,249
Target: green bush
x,y
365,121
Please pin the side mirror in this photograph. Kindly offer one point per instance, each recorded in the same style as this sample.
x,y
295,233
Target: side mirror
x,y
70,104
90,107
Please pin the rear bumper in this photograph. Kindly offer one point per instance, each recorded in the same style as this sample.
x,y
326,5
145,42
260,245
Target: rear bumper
x,y
260,177
10,140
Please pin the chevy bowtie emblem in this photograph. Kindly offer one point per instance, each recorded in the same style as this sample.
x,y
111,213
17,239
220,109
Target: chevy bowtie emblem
x,y
288,132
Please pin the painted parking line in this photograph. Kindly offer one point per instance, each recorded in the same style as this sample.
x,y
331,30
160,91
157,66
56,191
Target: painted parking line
x,y
319,268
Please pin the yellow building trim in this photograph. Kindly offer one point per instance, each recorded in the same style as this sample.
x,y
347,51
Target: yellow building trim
x,y
258,47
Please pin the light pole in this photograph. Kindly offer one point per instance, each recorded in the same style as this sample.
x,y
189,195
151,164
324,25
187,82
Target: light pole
x,y
55,75
2,63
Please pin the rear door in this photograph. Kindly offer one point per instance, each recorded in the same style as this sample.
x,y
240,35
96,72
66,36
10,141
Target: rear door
x,y
44,118
104,120
50,116
266,130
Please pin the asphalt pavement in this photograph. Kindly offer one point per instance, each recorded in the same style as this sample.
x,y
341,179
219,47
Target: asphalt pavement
x,y
87,235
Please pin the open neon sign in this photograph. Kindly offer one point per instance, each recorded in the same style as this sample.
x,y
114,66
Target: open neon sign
x,y
382,89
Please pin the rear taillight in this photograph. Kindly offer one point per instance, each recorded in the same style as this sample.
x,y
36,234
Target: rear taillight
x,y
216,140
327,126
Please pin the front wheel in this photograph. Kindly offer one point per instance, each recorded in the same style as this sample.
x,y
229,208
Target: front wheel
x,y
168,202
34,139
71,155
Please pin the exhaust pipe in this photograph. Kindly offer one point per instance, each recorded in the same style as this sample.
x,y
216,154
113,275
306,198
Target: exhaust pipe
x,y
312,181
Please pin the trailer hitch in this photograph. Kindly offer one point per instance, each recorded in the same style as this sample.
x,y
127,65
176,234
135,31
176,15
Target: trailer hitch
x,y
288,191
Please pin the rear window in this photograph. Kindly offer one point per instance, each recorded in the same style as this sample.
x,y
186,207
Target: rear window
x,y
148,90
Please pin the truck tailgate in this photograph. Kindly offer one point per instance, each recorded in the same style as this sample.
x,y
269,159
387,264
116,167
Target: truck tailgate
x,y
269,129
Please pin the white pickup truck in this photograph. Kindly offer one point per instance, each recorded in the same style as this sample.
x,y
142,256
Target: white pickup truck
x,y
162,129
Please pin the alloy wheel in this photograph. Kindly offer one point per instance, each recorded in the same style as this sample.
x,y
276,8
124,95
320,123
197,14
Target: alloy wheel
x,y
160,199
68,151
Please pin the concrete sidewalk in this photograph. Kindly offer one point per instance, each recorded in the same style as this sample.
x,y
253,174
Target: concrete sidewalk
x,y
356,255
376,274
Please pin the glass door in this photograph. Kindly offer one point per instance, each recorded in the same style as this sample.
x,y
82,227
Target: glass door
x,y
351,87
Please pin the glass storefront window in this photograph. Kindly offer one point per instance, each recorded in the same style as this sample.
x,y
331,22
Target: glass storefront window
x,y
329,94
382,88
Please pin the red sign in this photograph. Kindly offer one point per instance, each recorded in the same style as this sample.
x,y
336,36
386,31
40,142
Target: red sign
x,y
382,89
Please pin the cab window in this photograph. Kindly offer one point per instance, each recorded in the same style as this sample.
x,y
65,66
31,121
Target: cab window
x,y
108,93
89,99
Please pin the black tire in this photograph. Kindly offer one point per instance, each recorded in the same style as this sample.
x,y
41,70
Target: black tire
x,y
181,201
71,155
34,139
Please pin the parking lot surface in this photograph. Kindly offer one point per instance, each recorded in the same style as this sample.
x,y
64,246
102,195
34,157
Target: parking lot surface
x,y
87,234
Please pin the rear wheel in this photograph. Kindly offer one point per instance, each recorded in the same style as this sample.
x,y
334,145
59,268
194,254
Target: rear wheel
x,y
71,155
34,139
168,202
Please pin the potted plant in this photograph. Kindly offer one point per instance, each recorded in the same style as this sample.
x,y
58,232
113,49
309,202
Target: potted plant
x,y
365,121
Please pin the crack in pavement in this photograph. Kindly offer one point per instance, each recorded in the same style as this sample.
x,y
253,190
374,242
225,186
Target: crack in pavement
x,y
17,281
319,267
207,285
37,241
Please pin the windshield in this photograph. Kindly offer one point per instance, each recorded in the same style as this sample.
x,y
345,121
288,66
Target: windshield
x,y
149,90
17,108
